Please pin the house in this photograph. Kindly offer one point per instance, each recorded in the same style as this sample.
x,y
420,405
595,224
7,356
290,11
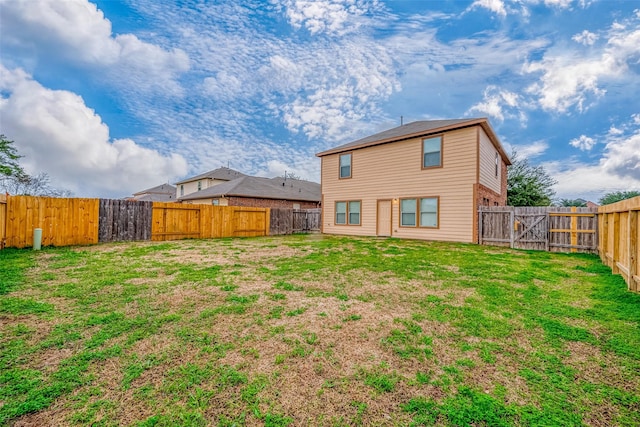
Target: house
x,y
421,180
259,192
159,193
206,180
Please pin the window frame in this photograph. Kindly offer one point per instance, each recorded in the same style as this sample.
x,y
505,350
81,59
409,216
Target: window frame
x,y
418,212
347,213
497,161
350,154
439,165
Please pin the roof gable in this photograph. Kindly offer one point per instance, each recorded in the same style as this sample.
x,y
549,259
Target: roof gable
x,y
222,174
419,129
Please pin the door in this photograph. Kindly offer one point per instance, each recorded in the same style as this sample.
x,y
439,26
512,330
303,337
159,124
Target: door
x,y
384,218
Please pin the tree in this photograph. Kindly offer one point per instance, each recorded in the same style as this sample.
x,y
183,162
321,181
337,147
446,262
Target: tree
x,y
14,180
37,185
291,175
581,203
616,196
9,156
528,185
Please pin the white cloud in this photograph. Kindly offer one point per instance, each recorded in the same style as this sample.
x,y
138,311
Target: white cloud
x,y
59,135
586,38
618,168
569,79
584,143
496,103
77,31
328,16
495,6
529,151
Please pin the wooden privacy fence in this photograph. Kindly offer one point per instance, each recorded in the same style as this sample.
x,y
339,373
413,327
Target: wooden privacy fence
x,y
287,221
64,222
618,240
122,220
73,221
554,229
173,221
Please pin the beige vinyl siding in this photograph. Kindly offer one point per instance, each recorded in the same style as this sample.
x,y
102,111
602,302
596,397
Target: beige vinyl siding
x,y
487,163
394,171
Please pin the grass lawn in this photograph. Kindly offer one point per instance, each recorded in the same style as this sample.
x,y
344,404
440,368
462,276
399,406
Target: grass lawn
x,y
315,330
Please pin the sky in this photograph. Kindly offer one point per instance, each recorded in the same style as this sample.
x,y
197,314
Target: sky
x,y
112,97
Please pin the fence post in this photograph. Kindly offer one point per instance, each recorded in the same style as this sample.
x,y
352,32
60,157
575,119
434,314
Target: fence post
x,y
480,226
633,251
616,247
512,223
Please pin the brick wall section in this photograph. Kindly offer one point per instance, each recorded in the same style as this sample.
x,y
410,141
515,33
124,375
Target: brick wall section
x,y
270,203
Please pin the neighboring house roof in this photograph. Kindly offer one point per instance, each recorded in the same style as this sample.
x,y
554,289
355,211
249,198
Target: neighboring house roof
x,y
159,193
222,174
261,188
418,129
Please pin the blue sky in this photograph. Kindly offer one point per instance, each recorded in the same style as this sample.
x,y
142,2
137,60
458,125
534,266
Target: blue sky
x,y
111,97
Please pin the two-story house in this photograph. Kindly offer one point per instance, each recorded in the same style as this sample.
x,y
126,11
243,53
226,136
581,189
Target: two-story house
x,y
421,180
206,180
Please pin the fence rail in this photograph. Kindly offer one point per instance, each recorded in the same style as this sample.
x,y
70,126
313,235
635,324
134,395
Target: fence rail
x,y
618,240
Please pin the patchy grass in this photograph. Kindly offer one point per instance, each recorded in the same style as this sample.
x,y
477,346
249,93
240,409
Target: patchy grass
x,y
315,330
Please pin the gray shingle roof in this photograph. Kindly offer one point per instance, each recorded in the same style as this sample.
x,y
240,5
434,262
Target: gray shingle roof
x,y
262,188
416,129
223,174
158,189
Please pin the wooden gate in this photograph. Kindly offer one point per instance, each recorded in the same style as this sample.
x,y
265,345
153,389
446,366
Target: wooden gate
x,y
306,220
554,229
531,231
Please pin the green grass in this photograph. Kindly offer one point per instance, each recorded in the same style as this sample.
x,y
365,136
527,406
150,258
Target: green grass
x,y
315,330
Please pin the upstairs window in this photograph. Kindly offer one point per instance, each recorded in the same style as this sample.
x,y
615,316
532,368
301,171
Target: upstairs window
x,y
181,190
345,166
432,152
199,185
496,164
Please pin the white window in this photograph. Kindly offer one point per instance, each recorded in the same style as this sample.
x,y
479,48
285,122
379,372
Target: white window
x,y
199,185
341,212
429,212
348,212
215,202
354,213
181,190
432,152
408,212
496,164
422,212
345,166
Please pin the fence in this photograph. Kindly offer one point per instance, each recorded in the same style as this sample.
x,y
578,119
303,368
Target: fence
x,y
618,240
173,221
66,222
554,229
122,220
63,222
287,221
3,219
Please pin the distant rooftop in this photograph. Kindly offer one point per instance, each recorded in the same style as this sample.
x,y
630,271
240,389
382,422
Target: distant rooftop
x,y
263,188
222,174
